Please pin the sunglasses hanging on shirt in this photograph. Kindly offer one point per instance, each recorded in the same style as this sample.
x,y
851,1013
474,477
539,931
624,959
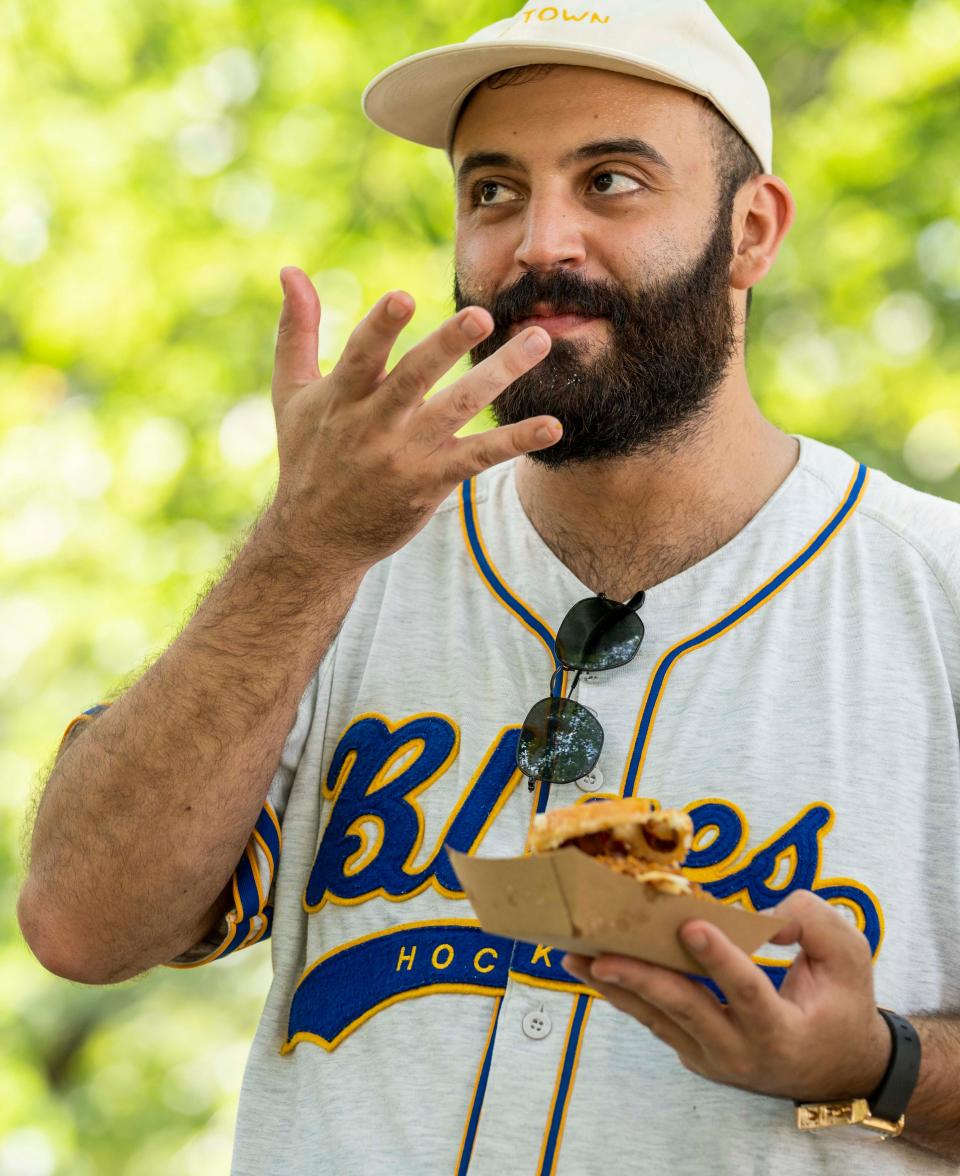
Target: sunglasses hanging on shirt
x,y
561,739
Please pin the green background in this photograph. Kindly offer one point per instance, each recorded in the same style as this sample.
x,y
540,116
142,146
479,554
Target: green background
x,y
161,162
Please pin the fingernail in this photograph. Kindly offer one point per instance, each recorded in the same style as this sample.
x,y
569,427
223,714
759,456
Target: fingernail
x,y
471,327
695,940
606,977
535,344
396,309
283,284
549,432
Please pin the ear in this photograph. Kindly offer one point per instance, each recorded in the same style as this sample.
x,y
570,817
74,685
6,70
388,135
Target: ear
x,y
763,212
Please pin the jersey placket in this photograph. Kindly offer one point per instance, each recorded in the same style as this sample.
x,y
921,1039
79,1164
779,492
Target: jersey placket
x,y
513,1076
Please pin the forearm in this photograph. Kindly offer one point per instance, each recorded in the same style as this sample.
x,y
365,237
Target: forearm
x,y
144,818
933,1116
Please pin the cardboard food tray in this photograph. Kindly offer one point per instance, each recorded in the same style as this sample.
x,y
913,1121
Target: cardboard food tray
x,y
565,899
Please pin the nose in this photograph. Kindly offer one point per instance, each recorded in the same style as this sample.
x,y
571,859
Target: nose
x,y
552,237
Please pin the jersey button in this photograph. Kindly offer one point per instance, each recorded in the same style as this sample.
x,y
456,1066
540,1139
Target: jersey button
x,y
537,1024
592,782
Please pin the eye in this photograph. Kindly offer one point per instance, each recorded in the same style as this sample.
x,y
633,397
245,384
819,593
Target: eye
x,y
485,193
605,181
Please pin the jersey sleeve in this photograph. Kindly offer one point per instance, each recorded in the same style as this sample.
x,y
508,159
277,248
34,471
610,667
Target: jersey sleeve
x,y
249,919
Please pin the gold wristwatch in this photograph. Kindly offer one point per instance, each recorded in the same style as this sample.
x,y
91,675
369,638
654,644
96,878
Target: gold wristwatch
x,y
882,1111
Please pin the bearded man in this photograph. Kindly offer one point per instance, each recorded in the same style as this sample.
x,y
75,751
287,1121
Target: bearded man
x,y
349,700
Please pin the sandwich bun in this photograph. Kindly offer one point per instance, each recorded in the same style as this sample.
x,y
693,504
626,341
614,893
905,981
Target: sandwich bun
x,y
629,836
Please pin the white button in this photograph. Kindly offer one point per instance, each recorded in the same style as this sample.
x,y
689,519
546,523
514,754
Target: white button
x,y
591,783
537,1024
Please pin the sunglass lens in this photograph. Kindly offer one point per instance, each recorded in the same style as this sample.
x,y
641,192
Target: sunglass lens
x,y
599,635
560,741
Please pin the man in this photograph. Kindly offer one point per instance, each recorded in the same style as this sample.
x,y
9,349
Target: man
x,y
392,618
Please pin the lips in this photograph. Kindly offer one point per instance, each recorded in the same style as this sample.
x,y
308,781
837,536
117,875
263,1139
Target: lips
x,y
553,321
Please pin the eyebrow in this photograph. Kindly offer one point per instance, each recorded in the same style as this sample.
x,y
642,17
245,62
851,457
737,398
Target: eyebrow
x,y
638,147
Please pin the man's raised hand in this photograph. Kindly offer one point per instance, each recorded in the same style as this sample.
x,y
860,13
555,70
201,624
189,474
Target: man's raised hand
x,y
365,459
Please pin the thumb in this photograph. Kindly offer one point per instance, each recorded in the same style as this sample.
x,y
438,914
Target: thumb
x,y
821,931
295,361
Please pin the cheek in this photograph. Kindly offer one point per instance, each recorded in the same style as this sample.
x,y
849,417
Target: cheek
x,y
484,259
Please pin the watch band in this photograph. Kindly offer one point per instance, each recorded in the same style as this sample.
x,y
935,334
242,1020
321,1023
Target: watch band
x,y
884,1110
889,1100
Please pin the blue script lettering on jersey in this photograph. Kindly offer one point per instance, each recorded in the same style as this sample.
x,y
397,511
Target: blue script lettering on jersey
x,y
754,878
377,772
379,769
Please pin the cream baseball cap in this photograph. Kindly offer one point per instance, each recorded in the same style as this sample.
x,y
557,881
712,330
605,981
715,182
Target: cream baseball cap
x,y
680,42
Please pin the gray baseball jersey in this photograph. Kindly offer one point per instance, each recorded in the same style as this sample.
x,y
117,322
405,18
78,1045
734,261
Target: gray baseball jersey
x,y
796,693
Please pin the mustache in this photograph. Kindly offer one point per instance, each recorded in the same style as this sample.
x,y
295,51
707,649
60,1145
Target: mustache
x,y
565,292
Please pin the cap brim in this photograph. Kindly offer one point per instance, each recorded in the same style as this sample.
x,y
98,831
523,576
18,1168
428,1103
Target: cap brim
x,y
420,98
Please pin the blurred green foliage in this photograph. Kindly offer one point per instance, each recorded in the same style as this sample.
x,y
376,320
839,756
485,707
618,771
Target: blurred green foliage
x,y
162,161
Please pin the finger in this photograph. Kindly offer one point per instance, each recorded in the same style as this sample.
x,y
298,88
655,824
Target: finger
x,y
750,993
691,1006
471,455
418,371
659,1024
452,408
577,965
360,368
827,938
295,361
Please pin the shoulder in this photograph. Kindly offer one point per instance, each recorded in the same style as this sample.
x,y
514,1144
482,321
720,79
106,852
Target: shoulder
x,y
924,526
928,522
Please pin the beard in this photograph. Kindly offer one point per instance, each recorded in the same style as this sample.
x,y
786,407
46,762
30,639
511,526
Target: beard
x,y
654,379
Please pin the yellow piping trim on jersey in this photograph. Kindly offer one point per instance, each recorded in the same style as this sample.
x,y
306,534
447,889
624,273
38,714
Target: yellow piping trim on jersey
x,y
261,931
255,867
257,926
76,722
267,853
729,629
573,1078
272,814
476,1083
234,917
556,1087
217,952
560,985
496,572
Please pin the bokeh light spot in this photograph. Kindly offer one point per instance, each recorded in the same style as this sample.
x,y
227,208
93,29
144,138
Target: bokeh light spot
x,y
932,448
248,433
